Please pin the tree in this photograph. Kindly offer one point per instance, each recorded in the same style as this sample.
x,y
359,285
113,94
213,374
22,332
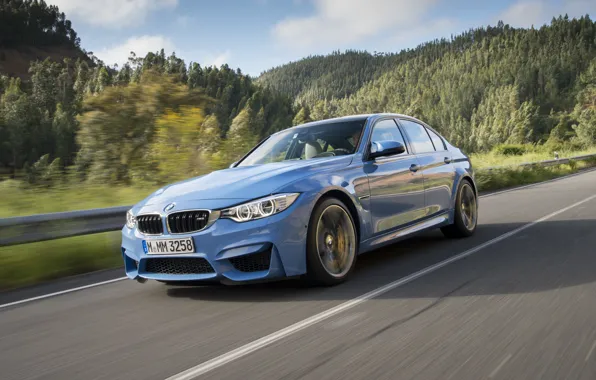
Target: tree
x,y
43,172
208,146
320,111
63,128
302,117
34,22
239,139
585,109
118,125
16,114
45,86
522,124
103,79
174,149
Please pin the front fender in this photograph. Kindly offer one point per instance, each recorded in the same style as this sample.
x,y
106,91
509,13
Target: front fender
x,y
351,181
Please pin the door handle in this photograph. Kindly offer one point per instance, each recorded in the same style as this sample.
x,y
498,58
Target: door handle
x,y
414,168
447,160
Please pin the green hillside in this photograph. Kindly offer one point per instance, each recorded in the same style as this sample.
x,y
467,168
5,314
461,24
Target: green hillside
x,y
485,87
33,30
325,77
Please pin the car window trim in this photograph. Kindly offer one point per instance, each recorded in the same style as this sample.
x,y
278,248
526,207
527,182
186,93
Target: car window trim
x,y
252,150
386,158
428,127
428,130
423,125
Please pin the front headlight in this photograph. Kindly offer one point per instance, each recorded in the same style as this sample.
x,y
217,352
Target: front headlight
x,y
260,208
131,220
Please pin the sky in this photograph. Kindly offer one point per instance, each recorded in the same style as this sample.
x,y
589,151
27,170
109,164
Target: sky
x,y
256,35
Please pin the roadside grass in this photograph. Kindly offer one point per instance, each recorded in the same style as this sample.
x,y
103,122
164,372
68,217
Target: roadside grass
x,y
17,200
492,159
33,263
488,180
28,264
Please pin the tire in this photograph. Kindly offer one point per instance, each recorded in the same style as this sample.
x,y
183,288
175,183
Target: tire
x,y
466,212
332,243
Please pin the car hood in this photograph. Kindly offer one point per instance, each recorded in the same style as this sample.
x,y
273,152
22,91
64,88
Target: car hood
x,y
243,183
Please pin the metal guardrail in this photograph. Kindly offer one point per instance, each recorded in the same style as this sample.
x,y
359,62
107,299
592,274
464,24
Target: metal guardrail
x,y
42,227
559,161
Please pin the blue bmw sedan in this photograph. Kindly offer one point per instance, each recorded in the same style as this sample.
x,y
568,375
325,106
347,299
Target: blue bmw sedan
x,y
305,202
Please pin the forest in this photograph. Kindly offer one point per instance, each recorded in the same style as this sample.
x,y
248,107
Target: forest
x,y
27,22
485,87
158,118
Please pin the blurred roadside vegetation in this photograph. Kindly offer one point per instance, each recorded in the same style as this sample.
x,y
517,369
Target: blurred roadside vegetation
x,y
19,198
507,177
28,264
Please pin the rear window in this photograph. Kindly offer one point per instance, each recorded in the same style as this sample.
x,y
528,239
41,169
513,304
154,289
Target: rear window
x,y
418,136
437,141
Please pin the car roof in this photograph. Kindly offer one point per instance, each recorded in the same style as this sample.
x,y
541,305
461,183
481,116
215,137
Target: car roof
x,y
350,118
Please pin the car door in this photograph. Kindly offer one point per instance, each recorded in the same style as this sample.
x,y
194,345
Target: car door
x,y
436,166
396,185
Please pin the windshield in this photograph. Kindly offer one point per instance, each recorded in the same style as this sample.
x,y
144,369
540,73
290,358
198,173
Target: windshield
x,y
322,140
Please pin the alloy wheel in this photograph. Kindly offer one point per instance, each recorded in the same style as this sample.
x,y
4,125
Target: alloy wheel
x,y
336,240
469,209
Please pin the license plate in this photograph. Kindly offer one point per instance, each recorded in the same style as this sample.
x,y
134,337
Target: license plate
x,y
168,246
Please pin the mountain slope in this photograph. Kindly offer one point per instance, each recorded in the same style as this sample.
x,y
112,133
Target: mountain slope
x,y
485,87
32,30
338,75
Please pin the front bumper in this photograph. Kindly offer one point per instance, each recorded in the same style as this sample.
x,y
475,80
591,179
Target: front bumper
x,y
227,251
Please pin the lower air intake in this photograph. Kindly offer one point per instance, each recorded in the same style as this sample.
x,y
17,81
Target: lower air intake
x,y
255,262
194,265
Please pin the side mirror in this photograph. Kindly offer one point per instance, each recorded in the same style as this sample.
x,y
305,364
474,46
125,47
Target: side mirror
x,y
386,148
233,164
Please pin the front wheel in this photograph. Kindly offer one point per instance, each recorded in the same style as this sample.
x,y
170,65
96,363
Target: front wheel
x,y
332,243
466,212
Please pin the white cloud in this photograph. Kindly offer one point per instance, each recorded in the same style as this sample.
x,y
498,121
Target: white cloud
x,y
111,13
220,59
141,45
427,31
341,22
526,13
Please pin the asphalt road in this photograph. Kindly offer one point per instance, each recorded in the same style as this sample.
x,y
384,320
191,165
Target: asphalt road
x,y
519,303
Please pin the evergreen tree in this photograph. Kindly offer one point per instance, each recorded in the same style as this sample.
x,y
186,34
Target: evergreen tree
x,y
302,117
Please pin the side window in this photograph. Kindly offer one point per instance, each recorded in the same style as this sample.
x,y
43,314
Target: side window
x,y
387,130
437,141
418,136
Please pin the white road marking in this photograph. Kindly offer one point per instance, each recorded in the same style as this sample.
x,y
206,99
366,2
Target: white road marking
x,y
494,372
62,292
591,350
253,346
343,321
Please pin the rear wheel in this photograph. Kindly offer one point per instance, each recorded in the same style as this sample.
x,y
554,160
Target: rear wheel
x,y
332,243
466,212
